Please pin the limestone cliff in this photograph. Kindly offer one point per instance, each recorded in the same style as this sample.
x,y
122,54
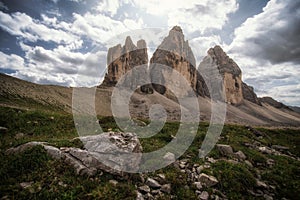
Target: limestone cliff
x,y
121,60
230,72
174,53
249,94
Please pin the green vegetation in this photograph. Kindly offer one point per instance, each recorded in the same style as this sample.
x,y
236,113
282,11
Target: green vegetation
x,y
52,179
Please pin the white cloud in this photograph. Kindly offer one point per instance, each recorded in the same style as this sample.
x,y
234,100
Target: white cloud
x,y
12,61
192,15
109,7
22,25
201,44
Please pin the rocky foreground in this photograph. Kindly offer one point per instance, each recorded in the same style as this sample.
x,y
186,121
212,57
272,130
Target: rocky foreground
x,y
197,176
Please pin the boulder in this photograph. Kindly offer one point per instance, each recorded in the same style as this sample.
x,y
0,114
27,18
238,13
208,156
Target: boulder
x,y
207,180
144,189
225,150
240,155
204,195
166,188
153,183
112,152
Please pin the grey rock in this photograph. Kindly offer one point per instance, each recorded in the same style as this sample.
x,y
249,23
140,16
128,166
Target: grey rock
x,y
240,155
198,185
208,180
247,162
25,185
166,188
169,157
265,150
155,192
204,195
261,184
152,183
113,182
120,150
225,150
144,189
199,169
139,196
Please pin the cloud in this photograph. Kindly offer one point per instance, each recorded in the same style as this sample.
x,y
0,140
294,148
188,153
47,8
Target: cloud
x,y
267,48
12,61
3,6
22,25
109,7
273,35
193,15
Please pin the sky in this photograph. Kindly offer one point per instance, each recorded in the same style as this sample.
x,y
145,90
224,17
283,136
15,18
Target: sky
x,y
65,42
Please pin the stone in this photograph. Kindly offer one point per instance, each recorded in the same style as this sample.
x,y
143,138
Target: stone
x,y
155,192
270,162
121,150
247,162
166,188
19,136
265,150
204,195
208,180
144,189
3,129
240,155
198,185
149,196
152,183
211,160
268,197
139,196
280,148
169,157
261,184
225,150
113,182
161,178
199,169
25,185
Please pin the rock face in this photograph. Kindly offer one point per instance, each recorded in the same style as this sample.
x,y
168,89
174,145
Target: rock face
x,y
231,73
249,94
174,58
175,53
121,60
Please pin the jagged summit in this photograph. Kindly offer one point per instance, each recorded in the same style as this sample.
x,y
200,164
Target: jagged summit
x,y
175,52
121,59
177,28
224,62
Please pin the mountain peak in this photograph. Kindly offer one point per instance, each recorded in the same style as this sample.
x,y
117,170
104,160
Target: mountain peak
x,y
225,63
177,28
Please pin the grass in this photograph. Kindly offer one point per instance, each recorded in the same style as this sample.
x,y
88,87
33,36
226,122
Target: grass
x,y
53,179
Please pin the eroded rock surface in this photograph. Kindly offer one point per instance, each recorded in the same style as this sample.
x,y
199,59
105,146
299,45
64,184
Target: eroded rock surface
x,y
112,152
